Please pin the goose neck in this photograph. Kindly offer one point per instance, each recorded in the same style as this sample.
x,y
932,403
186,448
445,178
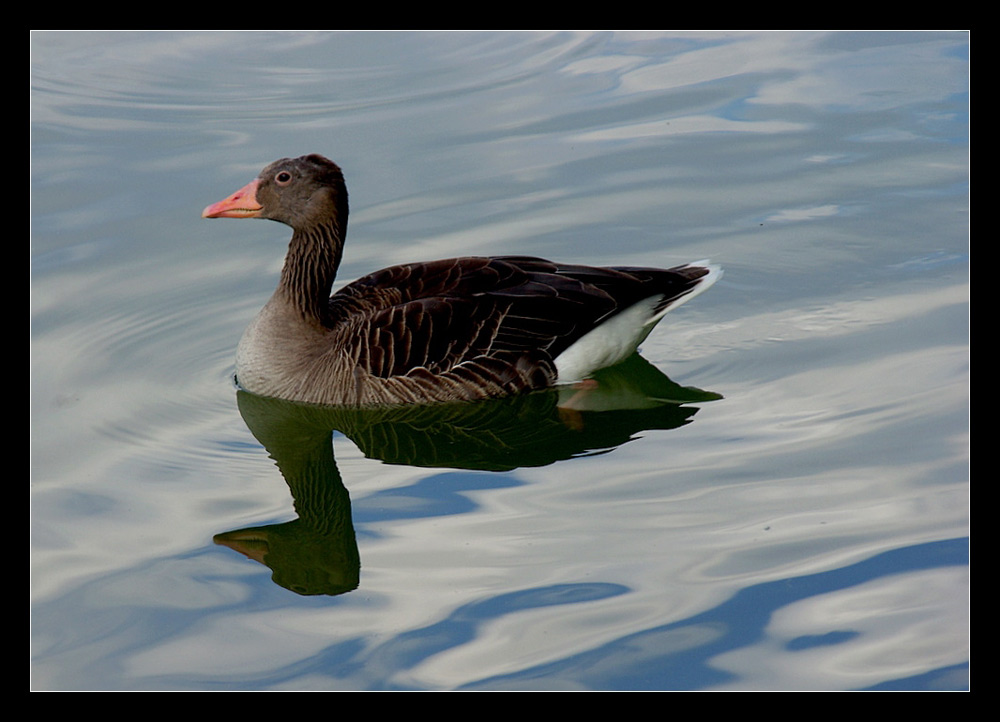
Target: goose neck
x,y
310,269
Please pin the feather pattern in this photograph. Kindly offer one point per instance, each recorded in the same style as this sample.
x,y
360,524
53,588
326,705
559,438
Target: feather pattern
x,y
448,330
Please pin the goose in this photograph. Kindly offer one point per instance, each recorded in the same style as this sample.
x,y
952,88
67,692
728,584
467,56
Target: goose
x,y
458,329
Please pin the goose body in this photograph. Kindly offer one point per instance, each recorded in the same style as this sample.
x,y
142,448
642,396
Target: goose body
x,y
448,330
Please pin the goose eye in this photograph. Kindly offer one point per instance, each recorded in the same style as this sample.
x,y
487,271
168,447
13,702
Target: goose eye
x,y
283,178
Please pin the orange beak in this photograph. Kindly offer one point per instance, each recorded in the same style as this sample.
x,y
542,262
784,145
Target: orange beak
x,y
241,204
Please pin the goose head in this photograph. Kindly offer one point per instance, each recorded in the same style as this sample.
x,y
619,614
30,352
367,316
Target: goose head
x,y
300,192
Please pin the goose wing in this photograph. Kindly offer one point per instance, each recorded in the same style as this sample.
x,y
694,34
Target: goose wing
x,y
510,317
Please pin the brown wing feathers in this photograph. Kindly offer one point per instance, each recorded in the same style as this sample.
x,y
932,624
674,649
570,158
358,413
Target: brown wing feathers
x,y
440,315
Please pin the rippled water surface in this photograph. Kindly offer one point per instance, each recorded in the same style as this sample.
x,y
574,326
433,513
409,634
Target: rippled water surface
x,y
797,519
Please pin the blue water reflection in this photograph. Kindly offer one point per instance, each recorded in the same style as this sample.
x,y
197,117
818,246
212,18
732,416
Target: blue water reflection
x,y
808,530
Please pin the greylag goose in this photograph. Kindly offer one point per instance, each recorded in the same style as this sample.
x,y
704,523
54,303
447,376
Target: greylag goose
x,y
450,330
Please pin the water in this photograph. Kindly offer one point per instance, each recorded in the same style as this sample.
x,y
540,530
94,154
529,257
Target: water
x,y
808,530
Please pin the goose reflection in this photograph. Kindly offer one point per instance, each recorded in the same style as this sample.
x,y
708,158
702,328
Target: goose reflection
x,y
317,553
